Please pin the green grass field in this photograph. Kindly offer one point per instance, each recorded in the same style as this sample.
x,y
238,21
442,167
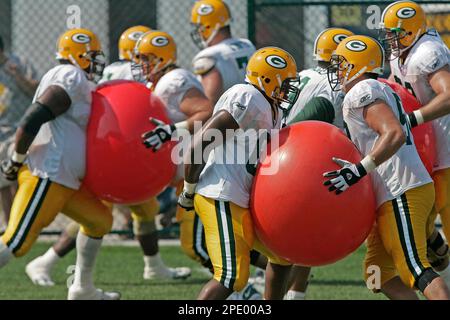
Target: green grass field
x,y
120,268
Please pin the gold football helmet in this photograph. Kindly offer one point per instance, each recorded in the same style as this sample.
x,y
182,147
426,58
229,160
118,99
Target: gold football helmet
x,y
353,57
155,51
208,17
128,40
402,24
327,41
82,48
274,71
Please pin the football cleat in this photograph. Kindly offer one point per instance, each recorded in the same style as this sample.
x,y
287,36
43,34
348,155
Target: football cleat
x,y
248,293
91,294
164,273
39,273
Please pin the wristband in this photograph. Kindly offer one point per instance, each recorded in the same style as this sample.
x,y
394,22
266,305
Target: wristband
x,y
416,118
419,117
17,157
189,187
183,125
368,164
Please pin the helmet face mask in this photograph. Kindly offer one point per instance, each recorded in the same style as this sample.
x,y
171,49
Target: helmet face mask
x,y
286,95
197,35
97,63
150,67
390,39
335,72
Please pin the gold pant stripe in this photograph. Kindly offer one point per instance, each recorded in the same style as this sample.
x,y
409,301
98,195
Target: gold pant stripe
x,y
404,226
227,243
198,234
30,214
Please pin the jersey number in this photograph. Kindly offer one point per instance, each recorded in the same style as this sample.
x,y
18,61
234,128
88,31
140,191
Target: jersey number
x,y
407,85
403,120
242,62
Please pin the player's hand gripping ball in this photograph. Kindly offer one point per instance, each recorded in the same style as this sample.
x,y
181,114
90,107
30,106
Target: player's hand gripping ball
x,y
424,137
119,167
294,215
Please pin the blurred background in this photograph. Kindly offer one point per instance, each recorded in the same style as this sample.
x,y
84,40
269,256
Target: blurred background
x,y
30,28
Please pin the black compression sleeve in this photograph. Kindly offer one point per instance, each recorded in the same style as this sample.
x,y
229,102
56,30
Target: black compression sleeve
x,y
36,115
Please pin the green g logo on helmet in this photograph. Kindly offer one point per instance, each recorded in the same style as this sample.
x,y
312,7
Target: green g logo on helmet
x,y
356,45
160,41
276,61
406,13
81,38
205,9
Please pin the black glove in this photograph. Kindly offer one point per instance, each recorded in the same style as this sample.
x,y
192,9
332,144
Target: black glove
x,y
157,137
10,169
349,175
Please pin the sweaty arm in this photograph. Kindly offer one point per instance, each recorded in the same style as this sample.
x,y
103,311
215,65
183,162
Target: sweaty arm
x,y
52,103
440,105
380,117
318,108
196,106
221,121
213,85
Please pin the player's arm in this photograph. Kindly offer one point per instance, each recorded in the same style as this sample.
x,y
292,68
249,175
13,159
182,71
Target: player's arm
x,y
213,85
194,105
318,108
202,145
380,117
440,105
52,103
197,107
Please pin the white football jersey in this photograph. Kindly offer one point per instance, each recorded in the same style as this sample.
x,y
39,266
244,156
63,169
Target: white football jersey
x,y
428,55
404,170
227,175
171,89
120,70
314,83
230,57
59,149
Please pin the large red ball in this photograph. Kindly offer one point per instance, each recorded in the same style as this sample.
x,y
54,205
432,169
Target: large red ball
x,y
119,167
294,213
424,137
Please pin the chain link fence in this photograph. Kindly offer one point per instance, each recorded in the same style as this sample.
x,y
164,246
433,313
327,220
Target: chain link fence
x,y
30,28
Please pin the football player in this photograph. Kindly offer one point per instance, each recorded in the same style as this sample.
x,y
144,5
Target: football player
x,y
377,125
316,101
420,63
144,227
122,69
222,60
49,162
221,189
186,103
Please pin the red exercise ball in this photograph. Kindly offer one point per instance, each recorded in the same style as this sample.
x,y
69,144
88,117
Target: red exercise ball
x,y
424,137
119,168
294,214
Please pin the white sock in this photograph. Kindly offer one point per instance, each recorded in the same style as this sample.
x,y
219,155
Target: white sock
x,y
154,261
5,254
445,274
50,258
295,295
87,249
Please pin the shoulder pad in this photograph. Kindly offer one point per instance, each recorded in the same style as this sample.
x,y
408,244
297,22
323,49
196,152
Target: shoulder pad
x,y
203,65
